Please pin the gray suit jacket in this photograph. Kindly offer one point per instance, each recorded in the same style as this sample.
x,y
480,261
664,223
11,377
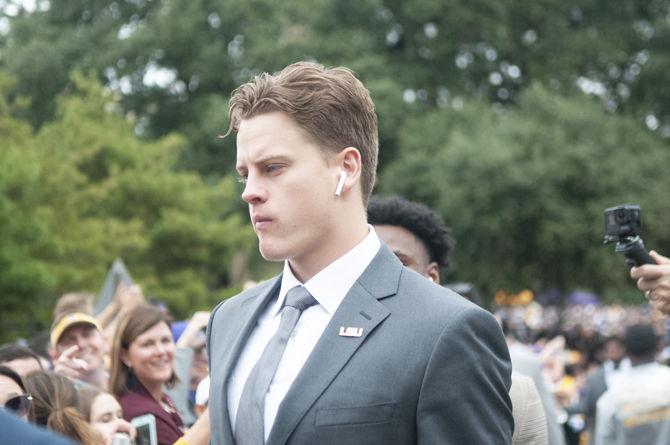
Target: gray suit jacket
x,y
430,367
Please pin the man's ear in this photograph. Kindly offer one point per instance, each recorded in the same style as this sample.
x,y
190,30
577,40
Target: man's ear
x,y
349,161
433,272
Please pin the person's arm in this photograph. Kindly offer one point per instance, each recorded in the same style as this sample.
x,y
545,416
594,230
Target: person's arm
x,y
199,433
654,280
605,431
180,392
464,396
189,338
108,313
126,299
188,341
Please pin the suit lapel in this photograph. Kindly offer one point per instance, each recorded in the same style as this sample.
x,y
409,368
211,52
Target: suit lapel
x,y
243,325
359,309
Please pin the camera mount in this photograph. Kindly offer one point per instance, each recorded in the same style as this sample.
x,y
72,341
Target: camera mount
x,y
622,225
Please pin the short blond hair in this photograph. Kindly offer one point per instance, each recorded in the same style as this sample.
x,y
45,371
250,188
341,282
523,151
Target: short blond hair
x,y
330,104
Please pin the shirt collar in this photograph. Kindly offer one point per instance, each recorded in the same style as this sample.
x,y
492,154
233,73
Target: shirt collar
x,y
331,285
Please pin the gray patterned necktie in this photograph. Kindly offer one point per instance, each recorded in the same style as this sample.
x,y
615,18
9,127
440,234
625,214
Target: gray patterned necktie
x,y
249,422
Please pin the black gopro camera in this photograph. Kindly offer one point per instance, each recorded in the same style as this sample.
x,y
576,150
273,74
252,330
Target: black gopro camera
x,y
622,225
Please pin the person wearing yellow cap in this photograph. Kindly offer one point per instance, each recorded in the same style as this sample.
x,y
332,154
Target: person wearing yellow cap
x,y
80,349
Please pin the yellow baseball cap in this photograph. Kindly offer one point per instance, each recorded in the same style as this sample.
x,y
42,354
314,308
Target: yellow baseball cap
x,y
70,320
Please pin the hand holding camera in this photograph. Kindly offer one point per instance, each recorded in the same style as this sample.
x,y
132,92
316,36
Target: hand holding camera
x,y
622,225
654,280
651,270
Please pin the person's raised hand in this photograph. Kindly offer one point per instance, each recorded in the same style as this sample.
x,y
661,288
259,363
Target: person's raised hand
x,y
654,281
69,365
128,297
189,338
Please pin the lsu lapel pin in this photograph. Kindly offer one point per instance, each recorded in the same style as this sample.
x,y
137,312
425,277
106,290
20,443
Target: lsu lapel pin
x,y
350,332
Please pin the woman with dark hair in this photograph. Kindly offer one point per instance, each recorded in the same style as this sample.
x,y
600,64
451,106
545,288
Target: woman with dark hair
x,y
13,395
55,404
142,366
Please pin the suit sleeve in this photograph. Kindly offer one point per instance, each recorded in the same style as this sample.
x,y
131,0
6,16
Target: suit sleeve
x,y
464,396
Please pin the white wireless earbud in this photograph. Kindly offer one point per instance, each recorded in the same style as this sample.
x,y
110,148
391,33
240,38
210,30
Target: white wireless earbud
x,y
340,184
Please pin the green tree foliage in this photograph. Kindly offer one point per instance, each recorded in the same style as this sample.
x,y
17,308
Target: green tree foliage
x,y
23,274
524,189
465,91
85,190
175,62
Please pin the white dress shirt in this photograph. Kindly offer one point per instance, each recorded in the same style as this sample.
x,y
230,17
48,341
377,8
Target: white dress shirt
x,y
328,287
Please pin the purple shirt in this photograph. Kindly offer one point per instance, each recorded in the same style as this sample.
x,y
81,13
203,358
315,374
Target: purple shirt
x,y
138,402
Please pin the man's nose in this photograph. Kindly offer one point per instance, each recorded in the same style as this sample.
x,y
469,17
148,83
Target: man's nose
x,y
253,191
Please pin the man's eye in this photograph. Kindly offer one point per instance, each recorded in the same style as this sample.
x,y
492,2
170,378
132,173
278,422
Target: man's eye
x,y
273,168
242,179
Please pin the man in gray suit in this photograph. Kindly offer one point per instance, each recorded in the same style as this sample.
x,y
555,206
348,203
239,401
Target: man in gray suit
x,y
346,346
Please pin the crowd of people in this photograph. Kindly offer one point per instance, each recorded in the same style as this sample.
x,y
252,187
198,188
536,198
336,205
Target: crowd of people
x,y
90,386
577,345
133,359
152,365
356,341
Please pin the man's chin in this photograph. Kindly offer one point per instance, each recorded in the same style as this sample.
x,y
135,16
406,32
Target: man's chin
x,y
273,258
270,253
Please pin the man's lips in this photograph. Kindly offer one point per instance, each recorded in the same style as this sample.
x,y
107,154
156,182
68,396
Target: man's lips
x,y
261,222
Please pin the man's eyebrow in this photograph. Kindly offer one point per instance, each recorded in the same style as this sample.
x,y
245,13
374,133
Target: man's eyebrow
x,y
271,157
263,160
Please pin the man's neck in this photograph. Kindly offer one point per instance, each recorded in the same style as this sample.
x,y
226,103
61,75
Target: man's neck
x,y
305,266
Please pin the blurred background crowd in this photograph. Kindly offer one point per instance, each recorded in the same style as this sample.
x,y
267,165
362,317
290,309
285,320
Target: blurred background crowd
x,y
577,345
134,358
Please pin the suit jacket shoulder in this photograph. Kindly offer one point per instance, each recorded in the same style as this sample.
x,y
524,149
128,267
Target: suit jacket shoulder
x,y
465,361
